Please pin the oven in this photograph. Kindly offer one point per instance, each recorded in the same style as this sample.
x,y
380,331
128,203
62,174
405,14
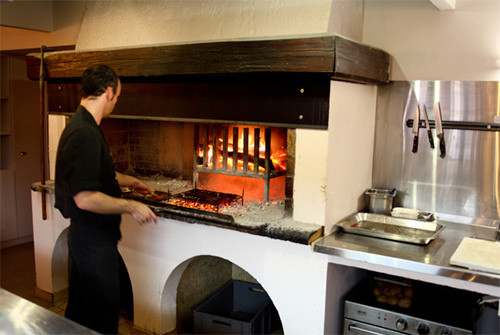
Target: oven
x,y
381,305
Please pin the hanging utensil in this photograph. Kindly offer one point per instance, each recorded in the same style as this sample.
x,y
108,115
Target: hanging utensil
x,y
439,129
416,126
428,127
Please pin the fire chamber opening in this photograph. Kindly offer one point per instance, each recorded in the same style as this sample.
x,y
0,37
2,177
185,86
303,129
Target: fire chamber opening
x,y
241,160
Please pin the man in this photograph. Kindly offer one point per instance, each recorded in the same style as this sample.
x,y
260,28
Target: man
x,y
88,192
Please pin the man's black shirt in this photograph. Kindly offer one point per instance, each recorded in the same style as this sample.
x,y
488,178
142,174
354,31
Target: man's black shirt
x,y
84,163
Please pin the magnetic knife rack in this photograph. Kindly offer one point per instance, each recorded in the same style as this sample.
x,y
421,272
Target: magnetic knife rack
x,y
462,125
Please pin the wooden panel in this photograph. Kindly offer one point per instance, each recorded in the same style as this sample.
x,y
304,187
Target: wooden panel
x,y
282,101
304,54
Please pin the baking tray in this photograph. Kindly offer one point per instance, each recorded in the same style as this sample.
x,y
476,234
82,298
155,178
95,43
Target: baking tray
x,y
391,228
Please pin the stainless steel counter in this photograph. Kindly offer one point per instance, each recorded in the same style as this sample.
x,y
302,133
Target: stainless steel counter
x,y
22,317
431,259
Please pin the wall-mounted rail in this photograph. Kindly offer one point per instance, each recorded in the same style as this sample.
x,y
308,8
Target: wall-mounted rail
x,y
462,125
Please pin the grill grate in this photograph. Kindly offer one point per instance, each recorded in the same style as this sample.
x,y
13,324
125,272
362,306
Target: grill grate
x,y
203,199
219,153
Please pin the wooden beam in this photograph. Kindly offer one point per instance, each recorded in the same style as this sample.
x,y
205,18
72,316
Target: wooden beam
x,y
308,54
444,4
360,63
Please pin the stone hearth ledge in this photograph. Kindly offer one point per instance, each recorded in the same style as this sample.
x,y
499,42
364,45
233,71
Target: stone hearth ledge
x,y
285,229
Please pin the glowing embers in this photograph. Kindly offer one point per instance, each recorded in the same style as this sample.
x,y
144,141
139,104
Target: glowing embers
x,y
250,152
205,200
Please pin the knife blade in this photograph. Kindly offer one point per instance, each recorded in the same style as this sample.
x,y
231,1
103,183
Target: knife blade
x,y
416,127
439,128
428,127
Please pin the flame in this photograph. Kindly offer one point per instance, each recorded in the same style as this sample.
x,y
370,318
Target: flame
x,y
278,158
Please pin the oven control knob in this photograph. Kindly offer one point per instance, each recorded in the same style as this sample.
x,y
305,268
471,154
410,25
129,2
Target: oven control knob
x,y
401,324
446,331
423,329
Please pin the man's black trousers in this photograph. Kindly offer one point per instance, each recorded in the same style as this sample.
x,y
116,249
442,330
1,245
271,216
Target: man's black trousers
x,y
99,285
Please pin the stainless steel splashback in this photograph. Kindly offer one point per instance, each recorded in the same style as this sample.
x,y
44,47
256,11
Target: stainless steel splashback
x,y
466,181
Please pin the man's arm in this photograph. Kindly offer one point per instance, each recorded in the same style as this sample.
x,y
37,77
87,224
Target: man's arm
x,y
98,202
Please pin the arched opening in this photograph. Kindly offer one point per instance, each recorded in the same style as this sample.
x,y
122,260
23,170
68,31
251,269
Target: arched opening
x,y
196,280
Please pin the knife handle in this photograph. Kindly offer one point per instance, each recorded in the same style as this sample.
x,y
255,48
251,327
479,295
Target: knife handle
x,y
431,140
415,144
442,146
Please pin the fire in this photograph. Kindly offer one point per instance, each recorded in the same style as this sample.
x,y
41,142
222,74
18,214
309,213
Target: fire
x,y
278,158
199,205
193,204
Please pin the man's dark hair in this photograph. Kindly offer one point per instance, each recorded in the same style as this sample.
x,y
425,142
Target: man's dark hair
x,y
96,79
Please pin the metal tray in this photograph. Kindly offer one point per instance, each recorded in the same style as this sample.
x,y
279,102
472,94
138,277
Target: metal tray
x,y
391,228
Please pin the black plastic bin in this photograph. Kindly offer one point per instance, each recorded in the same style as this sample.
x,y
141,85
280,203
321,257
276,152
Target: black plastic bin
x,y
237,308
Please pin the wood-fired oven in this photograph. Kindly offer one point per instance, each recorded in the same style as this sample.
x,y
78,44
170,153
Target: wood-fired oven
x,y
220,119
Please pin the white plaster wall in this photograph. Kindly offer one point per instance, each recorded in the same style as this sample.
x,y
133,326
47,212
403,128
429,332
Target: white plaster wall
x,y
50,264
293,275
309,183
56,126
350,153
137,22
156,254
428,44
125,23
346,18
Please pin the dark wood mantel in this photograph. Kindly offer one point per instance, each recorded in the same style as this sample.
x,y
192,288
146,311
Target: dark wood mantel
x,y
282,82
329,55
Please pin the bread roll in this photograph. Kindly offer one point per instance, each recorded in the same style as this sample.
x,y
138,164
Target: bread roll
x,y
392,301
382,298
404,303
409,292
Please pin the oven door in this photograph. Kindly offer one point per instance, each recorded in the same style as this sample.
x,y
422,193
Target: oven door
x,y
361,328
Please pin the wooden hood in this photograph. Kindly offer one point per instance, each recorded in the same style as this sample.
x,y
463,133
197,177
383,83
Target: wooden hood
x,y
280,81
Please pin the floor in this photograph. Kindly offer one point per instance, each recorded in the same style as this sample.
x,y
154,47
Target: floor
x,y
17,276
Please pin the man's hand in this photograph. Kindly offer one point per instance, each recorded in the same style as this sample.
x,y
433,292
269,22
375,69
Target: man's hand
x,y
140,185
132,182
141,213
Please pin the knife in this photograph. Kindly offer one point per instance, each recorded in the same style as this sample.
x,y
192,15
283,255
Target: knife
x,y
439,128
431,140
416,126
